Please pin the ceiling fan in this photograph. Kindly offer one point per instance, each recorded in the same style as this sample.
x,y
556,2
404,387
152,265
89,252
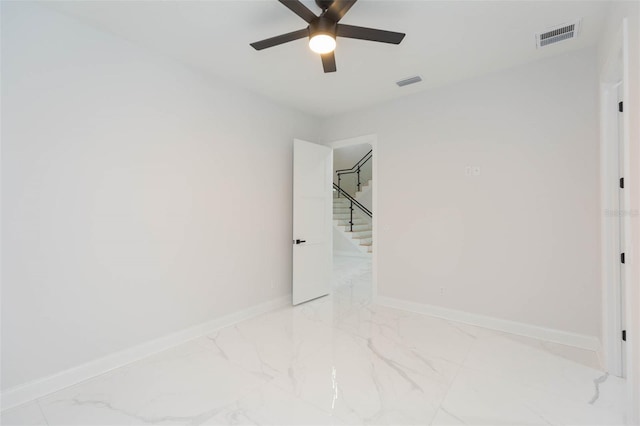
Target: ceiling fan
x,y
323,30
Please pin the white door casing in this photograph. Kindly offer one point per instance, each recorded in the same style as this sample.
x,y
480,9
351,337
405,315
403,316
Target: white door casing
x,y
622,204
312,215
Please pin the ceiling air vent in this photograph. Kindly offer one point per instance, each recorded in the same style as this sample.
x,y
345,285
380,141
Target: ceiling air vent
x,y
557,34
408,81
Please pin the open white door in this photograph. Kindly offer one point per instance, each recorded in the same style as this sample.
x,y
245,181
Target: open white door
x,y
312,208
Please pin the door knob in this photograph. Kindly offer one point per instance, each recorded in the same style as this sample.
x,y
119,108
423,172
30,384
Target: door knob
x,y
300,241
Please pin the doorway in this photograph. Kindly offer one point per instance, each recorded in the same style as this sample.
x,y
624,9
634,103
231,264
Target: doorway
x,y
355,244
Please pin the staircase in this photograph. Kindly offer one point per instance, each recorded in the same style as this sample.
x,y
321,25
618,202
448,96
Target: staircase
x,y
361,236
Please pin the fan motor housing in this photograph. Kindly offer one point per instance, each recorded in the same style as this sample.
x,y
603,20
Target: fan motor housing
x,y
322,26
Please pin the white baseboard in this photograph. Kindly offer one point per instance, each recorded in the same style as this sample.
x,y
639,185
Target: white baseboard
x,y
547,334
44,386
351,254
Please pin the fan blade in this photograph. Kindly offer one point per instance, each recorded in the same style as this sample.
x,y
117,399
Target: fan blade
x,y
338,9
329,62
299,9
283,38
371,34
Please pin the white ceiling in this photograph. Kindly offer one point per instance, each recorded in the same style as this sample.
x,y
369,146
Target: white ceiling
x,y
446,41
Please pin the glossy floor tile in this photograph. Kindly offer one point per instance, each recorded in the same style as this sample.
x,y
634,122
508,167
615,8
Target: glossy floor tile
x,y
25,415
341,360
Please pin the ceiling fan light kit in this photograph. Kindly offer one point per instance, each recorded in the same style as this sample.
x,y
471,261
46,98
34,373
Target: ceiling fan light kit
x,y
322,36
322,43
323,30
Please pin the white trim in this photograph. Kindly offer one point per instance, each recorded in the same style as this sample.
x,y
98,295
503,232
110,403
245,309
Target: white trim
x,y
373,141
358,140
616,355
547,334
44,386
610,229
630,361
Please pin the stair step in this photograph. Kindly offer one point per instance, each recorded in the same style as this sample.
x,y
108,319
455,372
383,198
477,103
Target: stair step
x,y
365,186
347,216
356,228
362,234
341,216
356,221
345,228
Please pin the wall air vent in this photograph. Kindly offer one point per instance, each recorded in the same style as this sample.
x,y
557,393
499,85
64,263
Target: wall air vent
x,y
408,81
557,34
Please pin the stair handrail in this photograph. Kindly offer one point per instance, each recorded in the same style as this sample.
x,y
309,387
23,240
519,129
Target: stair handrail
x,y
353,202
355,168
360,163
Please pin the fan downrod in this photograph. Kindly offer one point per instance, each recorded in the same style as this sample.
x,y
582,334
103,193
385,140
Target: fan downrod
x,y
324,4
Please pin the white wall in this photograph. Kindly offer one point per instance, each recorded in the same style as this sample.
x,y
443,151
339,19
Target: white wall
x,y
365,197
520,241
130,190
347,157
341,245
629,10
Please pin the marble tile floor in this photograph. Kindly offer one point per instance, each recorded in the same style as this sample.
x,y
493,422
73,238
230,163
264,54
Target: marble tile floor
x,y
341,360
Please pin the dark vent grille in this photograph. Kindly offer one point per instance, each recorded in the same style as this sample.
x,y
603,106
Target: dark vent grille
x,y
556,39
408,81
556,35
559,31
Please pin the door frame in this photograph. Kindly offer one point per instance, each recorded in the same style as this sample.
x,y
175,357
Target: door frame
x,y
373,141
615,215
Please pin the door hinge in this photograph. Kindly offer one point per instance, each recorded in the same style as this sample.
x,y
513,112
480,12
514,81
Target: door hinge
x,y
620,107
621,257
621,182
624,335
